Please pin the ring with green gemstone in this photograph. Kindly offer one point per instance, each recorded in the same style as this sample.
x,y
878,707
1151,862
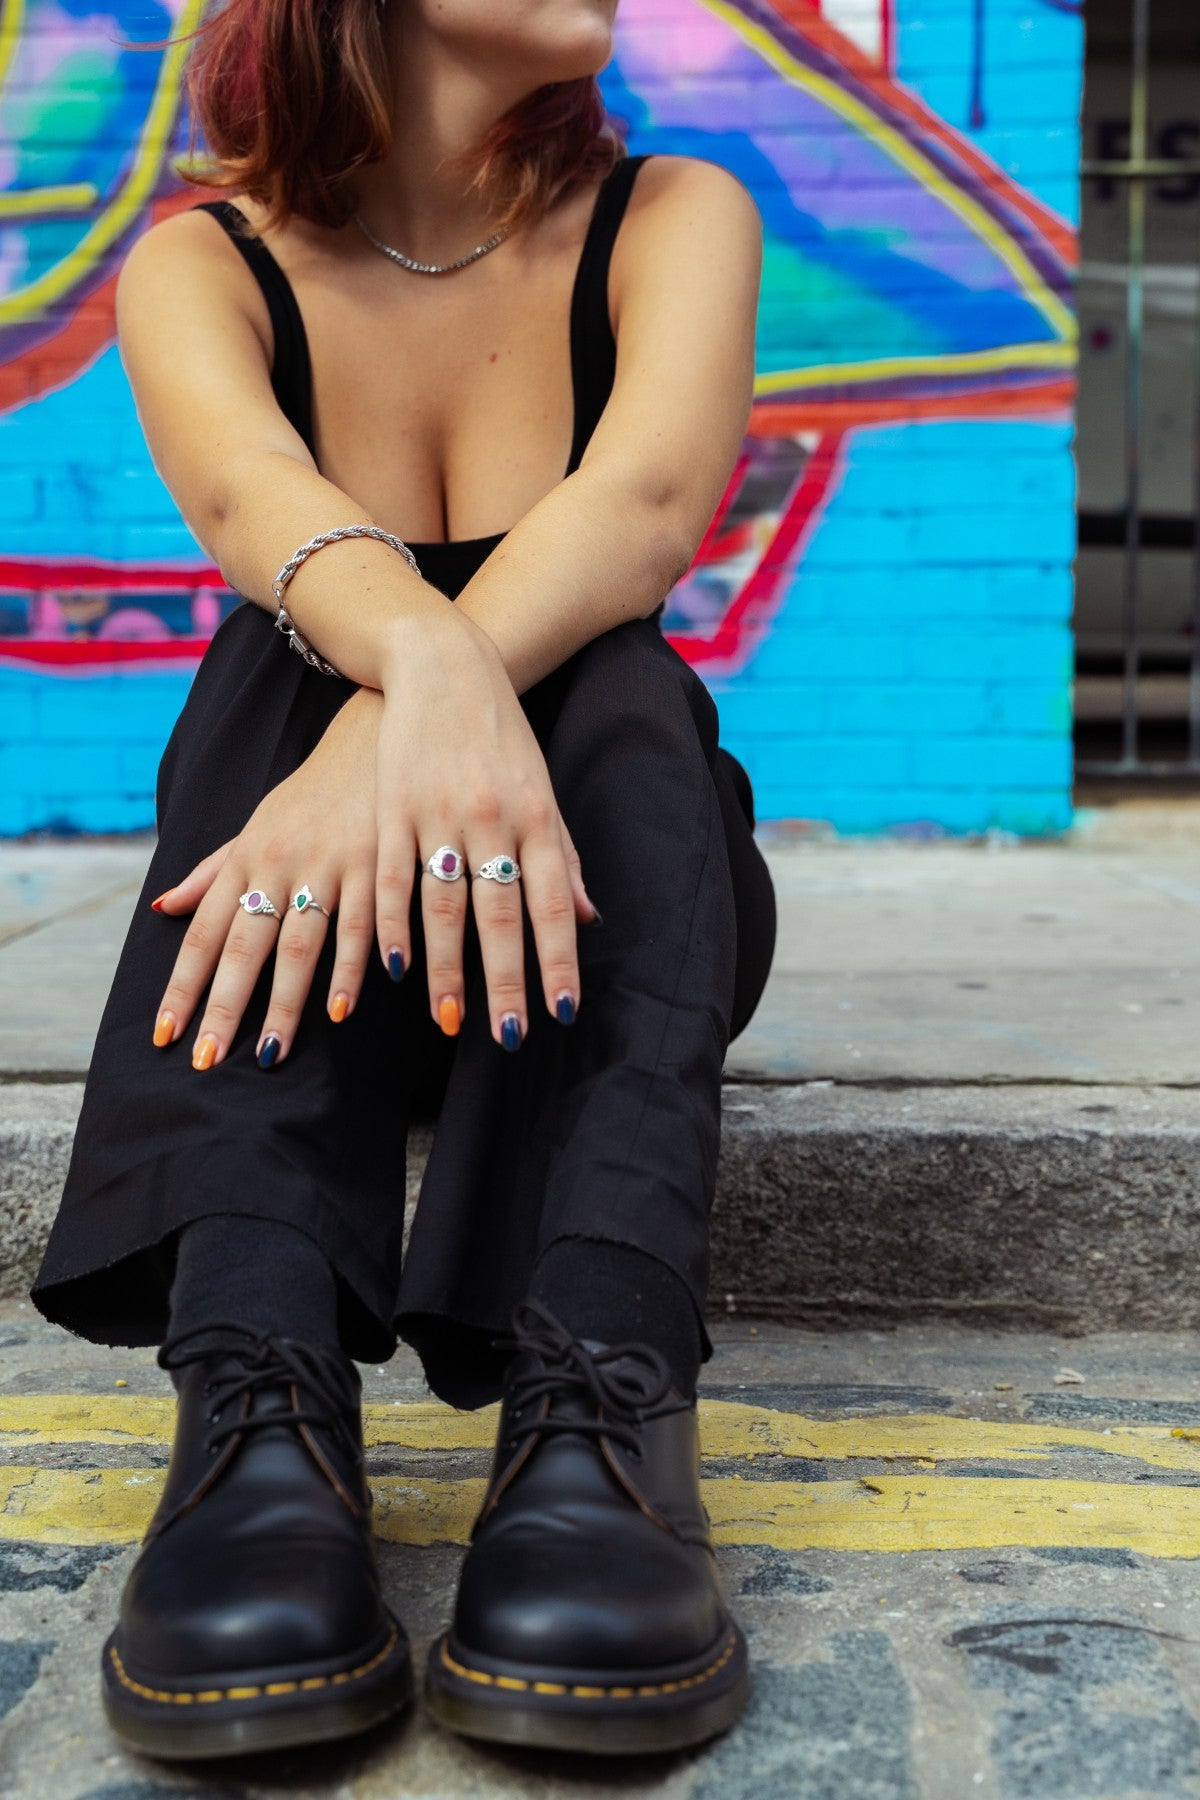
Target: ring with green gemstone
x,y
500,868
303,900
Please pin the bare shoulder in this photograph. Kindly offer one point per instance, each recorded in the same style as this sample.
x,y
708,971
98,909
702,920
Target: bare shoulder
x,y
692,189
187,261
685,215
690,225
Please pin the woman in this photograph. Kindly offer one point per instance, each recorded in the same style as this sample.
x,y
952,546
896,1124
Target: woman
x,y
442,280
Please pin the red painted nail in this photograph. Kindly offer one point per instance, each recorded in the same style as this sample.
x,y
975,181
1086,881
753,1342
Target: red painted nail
x,y
156,905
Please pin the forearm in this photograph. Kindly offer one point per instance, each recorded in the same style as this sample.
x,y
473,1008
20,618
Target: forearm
x,y
600,549
356,601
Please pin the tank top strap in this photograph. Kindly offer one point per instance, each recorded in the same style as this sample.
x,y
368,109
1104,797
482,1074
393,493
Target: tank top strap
x,y
291,368
593,347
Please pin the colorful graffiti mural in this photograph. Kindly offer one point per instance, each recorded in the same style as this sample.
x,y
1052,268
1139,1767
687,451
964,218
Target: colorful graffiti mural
x,y
915,365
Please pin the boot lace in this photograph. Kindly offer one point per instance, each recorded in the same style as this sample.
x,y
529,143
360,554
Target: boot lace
x,y
269,1361
624,1396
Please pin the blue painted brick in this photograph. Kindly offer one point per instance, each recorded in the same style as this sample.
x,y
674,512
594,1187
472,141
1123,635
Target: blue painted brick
x,y
991,762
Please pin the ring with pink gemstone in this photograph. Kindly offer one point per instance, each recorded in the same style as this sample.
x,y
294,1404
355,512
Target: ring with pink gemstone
x,y
447,863
256,902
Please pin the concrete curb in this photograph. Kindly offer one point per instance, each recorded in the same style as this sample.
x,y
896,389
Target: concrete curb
x,y
1069,1208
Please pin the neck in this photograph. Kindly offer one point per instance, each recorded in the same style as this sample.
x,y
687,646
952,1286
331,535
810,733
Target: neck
x,y
441,106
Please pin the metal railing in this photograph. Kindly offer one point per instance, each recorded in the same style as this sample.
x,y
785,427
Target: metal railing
x,y
1137,169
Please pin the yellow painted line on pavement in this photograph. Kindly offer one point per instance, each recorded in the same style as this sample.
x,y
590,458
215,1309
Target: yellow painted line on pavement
x,y
728,1429
888,1514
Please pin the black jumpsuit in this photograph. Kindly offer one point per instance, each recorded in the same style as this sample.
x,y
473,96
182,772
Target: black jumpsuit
x,y
604,1129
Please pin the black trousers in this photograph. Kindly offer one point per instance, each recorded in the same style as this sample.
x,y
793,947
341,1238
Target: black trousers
x,y
607,1129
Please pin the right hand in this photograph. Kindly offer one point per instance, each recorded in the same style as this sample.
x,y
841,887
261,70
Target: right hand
x,y
458,764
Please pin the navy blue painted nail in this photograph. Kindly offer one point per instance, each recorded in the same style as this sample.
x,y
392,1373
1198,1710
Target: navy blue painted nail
x,y
596,920
510,1031
271,1047
564,1008
395,963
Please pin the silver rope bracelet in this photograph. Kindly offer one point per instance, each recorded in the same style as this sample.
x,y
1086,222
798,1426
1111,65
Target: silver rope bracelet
x,y
283,619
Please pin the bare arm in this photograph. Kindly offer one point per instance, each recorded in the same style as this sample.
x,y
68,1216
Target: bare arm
x,y
192,329
603,546
610,542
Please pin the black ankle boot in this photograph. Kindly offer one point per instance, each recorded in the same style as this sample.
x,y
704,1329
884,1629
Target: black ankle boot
x,y
589,1614
253,1618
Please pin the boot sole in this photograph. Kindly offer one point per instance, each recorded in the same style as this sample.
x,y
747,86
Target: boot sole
x,y
241,1712
549,1709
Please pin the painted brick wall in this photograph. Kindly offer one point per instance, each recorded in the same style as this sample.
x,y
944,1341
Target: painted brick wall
x,y
882,605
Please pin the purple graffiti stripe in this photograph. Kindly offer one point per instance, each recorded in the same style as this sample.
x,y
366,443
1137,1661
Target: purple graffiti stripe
x,y
1042,255
914,386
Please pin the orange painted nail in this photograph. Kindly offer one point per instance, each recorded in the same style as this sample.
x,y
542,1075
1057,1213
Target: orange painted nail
x,y
156,905
338,1008
164,1030
449,1017
203,1054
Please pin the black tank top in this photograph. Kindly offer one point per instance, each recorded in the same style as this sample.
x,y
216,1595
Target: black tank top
x,y
450,564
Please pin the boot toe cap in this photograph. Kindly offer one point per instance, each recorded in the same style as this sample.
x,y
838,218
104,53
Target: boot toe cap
x,y
251,1608
577,1607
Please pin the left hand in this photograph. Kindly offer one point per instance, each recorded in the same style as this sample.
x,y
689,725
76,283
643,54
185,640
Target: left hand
x,y
316,827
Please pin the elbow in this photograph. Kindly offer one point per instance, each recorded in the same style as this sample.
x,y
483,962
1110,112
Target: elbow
x,y
666,518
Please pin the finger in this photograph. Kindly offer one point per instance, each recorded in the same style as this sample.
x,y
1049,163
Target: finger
x,y
198,956
395,873
586,910
191,890
250,940
355,934
550,901
500,922
296,951
444,913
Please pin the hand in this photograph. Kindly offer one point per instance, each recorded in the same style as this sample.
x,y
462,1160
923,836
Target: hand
x,y
336,784
458,764
316,827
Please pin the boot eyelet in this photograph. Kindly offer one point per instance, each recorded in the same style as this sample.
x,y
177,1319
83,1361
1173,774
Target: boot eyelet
x,y
213,1417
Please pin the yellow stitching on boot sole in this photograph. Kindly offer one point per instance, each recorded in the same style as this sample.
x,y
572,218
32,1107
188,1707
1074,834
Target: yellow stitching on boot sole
x,y
184,1698
586,1693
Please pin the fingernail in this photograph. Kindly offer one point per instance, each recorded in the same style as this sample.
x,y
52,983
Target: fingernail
x,y
510,1031
203,1054
595,918
164,1030
564,1009
449,1017
156,905
395,964
268,1051
339,1007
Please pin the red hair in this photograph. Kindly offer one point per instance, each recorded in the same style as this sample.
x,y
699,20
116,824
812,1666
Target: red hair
x,y
292,97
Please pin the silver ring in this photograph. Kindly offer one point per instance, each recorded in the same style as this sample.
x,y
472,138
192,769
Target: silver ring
x,y
500,868
447,863
304,900
256,902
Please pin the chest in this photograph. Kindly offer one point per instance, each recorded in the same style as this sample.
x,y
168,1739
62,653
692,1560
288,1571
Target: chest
x,y
444,405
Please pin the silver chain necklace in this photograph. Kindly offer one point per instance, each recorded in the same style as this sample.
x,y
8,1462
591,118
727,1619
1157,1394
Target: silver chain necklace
x,y
420,268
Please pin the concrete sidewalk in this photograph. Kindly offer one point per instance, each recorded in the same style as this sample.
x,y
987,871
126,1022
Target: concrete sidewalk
x,y
967,1558
968,1090
959,1577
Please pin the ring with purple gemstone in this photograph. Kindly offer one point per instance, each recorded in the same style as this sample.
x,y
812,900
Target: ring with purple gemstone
x,y
256,902
447,864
